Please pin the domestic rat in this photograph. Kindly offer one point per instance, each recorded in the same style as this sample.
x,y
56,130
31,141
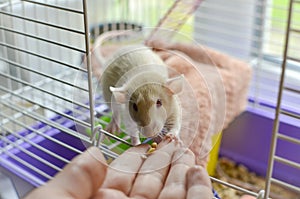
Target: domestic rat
x,y
137,79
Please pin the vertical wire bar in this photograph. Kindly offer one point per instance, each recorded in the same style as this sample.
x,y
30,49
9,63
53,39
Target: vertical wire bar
x,y
26,57
259,51
57,49
36,44
9,81
88,62
69,39
278,107
18,73
12,84
6,68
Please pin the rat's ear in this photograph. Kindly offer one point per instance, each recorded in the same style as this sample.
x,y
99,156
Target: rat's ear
x,y
119,93
175,84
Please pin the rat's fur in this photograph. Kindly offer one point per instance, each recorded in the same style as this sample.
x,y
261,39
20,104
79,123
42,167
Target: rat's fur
x,y
136,76
235,75
216,108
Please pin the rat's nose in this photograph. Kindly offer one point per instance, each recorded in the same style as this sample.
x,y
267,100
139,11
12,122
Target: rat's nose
x,y
143,124
149,131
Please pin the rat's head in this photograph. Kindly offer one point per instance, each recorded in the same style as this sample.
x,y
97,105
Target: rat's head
x,y
151,104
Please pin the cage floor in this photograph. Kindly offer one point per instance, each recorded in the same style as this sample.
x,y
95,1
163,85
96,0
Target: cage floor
x,y
230,171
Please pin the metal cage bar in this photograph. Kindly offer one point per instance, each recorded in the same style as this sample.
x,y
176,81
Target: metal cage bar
x,y
275,133
31,109
34,105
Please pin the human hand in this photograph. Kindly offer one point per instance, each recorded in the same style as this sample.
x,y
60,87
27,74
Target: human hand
x,y
169,172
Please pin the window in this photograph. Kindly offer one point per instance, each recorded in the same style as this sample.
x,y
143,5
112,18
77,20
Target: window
x,y
255,31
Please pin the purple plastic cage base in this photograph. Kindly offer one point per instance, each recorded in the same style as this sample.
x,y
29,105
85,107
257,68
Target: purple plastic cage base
x,y
25,172
250,146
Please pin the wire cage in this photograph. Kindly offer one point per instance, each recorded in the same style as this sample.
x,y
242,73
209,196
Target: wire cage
x,y
40,56
49,109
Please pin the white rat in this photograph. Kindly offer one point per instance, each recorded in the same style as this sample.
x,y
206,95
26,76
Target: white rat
x,y
137,78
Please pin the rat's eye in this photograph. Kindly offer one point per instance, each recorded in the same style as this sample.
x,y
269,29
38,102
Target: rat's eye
x,y
158,103
134,106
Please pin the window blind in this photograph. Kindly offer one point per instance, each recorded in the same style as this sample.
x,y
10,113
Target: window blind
x,y
255,31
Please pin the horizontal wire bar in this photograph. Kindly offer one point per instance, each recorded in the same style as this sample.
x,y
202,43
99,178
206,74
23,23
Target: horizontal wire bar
x,y
234,186
108,152
231,22
221,20
51,123
43,57
258,14
285,112
47,108
27,89
20,95
105,150
228,9
42,23
287,162
55,7
111,146
232,44
288,138
295,30
43,90
293,59
40,132
115,137
41,83
225,32
7,132
29,153
41,39
19,169
286,185
292,89
13,156
227,43
7,3
43,74
25,139
18,114
256,27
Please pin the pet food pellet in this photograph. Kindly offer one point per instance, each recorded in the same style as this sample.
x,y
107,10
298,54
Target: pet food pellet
x,y
154,145
151,150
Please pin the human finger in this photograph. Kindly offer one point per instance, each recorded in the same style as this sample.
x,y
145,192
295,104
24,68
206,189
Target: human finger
x,y
164,55
107,193
157,44
198,183
81,178
175,185
152,174
247,197
122,171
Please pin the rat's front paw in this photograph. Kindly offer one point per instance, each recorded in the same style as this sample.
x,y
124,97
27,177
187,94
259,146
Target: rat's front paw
x,y
173,137
135,141
113,128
